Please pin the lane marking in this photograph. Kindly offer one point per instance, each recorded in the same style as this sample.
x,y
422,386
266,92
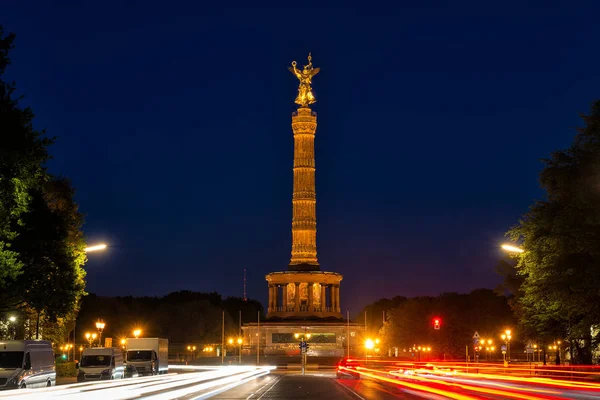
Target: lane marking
x,y
269,389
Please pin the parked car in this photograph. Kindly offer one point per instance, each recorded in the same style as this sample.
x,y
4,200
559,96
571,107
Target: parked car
x,y
26,364
131,371
347,368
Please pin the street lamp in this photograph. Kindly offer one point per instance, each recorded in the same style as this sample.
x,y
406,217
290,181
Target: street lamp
x,y
100,326
90,337
512,249
192,349
137,333
12,319
240,341
123,343
97,247
506,336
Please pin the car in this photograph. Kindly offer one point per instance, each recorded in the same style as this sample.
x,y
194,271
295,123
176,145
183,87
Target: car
x,y
348,368
131,371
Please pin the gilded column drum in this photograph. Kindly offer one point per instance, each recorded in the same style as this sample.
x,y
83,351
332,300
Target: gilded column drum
x,y
304,219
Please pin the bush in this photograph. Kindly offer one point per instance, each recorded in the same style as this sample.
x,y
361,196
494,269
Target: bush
x,y
65,369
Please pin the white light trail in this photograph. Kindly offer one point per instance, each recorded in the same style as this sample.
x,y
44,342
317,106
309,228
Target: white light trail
x,y
162,387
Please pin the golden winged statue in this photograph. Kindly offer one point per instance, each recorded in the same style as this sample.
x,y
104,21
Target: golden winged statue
x,y
305,95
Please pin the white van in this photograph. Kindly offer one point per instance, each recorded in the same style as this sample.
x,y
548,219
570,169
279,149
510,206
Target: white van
x,y
100,363
26,364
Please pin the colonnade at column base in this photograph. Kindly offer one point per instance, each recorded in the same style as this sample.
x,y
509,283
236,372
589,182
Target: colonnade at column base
x,y
304,294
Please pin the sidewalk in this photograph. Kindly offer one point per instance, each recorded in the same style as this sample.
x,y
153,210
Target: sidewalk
x,y
66,380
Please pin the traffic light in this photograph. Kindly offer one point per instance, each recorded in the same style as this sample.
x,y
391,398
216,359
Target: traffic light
x,y
436,323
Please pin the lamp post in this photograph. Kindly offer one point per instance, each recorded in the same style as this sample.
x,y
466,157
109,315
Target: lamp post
x,y
369,344
192,350
90,337
123,343
240,341
230,341
80,351
100,326
506,336
69,347
12,319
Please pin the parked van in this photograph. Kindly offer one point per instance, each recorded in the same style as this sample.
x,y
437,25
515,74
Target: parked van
x,y
100,363
26,364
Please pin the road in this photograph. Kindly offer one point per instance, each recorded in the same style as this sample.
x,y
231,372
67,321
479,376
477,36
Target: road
x,y
379,385
312,386
379,382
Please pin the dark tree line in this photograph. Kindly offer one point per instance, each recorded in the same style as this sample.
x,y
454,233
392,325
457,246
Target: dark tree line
x,y
181,317
411,322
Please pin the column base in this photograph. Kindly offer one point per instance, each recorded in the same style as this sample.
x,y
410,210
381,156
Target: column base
x,y
304,267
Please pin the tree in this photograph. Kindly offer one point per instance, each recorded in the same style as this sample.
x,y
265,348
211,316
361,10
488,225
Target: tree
x,y
52,248
41,242
22,156
376,311
561,264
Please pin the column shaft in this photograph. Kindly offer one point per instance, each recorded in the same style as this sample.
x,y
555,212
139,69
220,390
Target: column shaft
x,y
304,216
275,297
333,298
337,298
310,297
323,297
297,301
270,298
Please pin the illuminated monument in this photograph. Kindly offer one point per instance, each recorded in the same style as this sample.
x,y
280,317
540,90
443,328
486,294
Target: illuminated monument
x,y
303,298
304,290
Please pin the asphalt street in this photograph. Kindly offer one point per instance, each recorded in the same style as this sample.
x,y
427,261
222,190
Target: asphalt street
x,y
314,387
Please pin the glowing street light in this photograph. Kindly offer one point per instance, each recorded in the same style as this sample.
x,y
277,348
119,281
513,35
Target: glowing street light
x,y
123,343
506,336
369,344
100,326
90,337
96,247
512,249
240,341
137,333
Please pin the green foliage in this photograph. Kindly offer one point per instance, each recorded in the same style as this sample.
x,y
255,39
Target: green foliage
x,y
561,264
22,155
461,315
65,369
52,249
41,243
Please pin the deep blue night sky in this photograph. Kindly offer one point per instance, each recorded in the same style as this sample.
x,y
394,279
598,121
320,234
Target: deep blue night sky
x,y
174,120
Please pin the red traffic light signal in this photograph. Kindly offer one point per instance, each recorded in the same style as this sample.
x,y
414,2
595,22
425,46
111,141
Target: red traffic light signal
x,y
436,323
